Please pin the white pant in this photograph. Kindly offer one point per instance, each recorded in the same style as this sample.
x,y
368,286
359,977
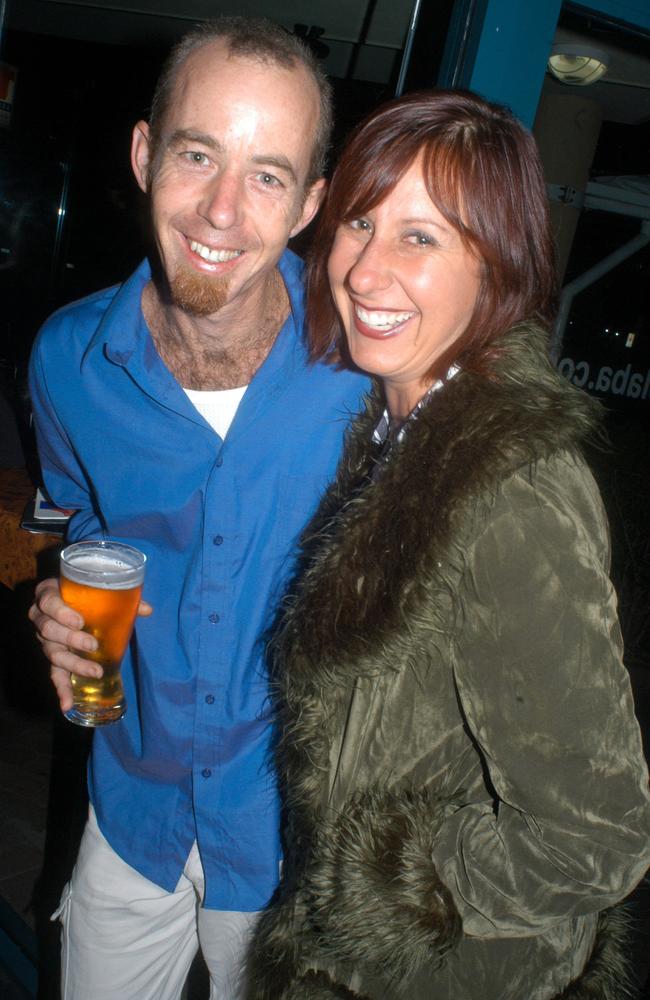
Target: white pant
x,y
125,938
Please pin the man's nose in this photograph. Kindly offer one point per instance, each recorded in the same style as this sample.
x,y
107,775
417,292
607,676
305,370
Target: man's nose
x,y
221,201
371,269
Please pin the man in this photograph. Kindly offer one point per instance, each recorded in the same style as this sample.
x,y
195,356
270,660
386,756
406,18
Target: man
x,y
178,413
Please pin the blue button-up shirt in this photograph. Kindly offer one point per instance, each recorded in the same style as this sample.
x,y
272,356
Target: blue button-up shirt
x,y
121,443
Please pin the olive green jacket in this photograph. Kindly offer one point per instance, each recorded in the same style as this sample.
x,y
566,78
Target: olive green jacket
x,y
464,781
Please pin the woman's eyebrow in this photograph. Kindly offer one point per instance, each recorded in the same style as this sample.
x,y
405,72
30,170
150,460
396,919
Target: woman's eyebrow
x,y
419,220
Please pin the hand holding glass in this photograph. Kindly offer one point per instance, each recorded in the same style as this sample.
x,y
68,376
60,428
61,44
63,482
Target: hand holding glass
x,y
103,582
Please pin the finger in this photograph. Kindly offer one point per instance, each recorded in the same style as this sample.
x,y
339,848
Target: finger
x,y
62,658
144,609
49,603
43,594
49,631
51,583
63,688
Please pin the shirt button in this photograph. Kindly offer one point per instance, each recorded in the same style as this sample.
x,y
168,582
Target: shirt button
x,y
219,461
206,772
210,699
213,618
217,540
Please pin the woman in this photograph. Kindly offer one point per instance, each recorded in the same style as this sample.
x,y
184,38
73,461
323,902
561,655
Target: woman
x,y
466,795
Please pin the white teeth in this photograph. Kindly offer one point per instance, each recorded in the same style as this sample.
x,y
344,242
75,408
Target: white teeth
x,y
214,256
382,320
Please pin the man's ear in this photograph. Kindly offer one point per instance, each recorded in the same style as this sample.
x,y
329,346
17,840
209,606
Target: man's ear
x,y
141,154
310,205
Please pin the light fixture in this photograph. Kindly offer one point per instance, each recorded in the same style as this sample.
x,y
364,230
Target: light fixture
x,y
577,63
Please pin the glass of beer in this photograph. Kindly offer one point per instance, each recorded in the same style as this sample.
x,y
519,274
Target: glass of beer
x,y
103,582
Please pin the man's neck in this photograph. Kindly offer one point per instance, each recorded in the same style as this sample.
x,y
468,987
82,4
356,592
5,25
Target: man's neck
x,y
221,351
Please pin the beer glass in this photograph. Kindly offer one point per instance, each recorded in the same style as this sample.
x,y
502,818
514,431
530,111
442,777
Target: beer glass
x,y
102,580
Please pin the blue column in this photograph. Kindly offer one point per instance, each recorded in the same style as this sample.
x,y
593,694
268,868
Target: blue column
x,y
503,48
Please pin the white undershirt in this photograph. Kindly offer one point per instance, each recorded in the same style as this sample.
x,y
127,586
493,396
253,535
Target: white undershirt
x,y
217,406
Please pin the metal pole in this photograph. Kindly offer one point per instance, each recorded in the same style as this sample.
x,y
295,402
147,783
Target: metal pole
x,y
62,213
464,16
3,15
361,39
406,55
583,281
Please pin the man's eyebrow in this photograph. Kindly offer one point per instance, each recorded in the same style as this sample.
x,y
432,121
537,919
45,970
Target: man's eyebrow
x,y
279,162
181,135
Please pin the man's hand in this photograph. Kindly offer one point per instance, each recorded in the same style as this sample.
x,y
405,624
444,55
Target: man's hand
x,y
59,629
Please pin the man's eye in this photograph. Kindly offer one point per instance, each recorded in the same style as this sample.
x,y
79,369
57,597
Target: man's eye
x,y
269,180
195,157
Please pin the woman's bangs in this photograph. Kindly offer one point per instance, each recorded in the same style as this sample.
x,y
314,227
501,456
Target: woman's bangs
x,y
374,180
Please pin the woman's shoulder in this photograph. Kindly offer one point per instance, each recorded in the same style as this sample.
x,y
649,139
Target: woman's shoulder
x,y
551,507
518,410
562,481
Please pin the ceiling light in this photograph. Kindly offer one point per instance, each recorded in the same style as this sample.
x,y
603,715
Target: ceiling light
x,y
577,64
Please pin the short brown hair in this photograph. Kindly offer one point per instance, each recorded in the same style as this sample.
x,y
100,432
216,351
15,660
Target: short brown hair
x,y
257,38
482,171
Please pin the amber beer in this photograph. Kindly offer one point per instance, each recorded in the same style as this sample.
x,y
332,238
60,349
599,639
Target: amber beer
x,y
103,582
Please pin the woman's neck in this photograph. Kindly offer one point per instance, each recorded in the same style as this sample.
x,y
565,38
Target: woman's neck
x,y
402,399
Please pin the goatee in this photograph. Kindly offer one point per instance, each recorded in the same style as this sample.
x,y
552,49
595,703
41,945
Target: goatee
x,y
198,294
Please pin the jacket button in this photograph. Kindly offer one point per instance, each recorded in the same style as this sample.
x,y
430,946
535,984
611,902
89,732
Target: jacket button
x,y
210,699
217,540
206,772
213,618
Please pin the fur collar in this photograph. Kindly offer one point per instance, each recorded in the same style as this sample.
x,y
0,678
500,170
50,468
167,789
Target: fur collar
x,y
371,545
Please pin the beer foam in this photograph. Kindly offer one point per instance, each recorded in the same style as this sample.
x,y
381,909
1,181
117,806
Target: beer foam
x,y
101,569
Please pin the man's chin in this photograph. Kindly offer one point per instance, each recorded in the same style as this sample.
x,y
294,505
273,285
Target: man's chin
x,y
197,294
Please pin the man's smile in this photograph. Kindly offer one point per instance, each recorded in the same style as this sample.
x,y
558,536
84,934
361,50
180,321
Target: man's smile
x,y
213,256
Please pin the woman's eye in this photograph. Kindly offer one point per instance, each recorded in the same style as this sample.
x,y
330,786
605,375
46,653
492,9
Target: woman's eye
x,y
421,239
362,225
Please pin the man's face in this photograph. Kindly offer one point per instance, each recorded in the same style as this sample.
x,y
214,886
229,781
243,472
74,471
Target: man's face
x,y
228,183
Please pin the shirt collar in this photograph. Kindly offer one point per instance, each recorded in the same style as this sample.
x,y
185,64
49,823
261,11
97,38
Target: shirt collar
x,y
123,330
382,432
122,326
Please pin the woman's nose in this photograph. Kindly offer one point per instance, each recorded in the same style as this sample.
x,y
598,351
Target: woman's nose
x,y
370,271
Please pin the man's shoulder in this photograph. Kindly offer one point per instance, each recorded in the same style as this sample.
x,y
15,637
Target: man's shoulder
x,y
85,313
78,321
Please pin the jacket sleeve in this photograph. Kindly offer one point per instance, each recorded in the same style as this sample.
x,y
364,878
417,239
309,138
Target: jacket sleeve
x,y
63,475
542,686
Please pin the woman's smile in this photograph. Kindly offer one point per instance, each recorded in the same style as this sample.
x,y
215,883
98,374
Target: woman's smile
x,y
380,323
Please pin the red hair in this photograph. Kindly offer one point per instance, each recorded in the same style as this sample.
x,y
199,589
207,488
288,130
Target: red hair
x,y
483,173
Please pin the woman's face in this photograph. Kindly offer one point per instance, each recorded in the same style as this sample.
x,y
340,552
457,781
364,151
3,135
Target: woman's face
x,y
405,288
